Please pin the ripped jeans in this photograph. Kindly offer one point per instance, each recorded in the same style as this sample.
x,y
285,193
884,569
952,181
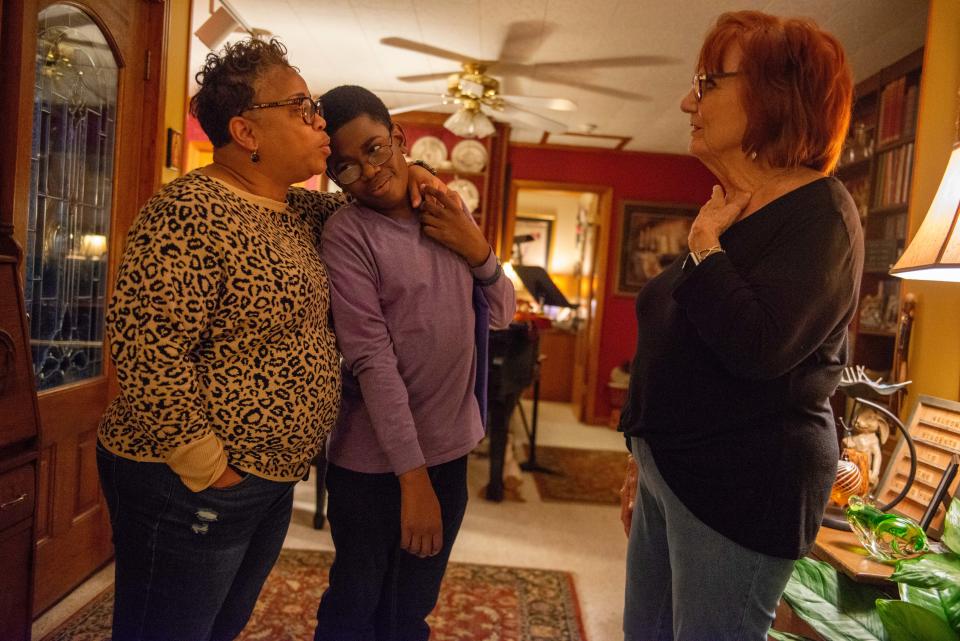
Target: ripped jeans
x,y
189,565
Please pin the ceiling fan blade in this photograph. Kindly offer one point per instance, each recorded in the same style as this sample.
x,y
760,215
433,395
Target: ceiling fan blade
x,y
556,104
610,63
424,106
419,47
404,92
423,77
558,79
516,114
523,39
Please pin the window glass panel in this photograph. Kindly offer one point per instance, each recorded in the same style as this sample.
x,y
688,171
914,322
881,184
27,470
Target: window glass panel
x,y
74,118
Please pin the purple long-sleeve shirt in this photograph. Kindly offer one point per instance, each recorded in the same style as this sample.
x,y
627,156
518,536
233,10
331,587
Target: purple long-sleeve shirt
x,y
404,320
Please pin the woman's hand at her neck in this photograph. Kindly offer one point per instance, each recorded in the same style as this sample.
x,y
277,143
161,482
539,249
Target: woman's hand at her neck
x,y
715,217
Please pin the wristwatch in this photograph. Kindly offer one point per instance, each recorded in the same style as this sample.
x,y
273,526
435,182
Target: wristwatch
x,y
694,258
423,164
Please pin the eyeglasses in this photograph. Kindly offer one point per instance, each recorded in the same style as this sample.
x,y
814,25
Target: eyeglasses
x,y
309,107
699,79
348,174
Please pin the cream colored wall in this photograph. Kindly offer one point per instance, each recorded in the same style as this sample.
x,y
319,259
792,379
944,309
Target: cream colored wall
x,y
934,364
175,103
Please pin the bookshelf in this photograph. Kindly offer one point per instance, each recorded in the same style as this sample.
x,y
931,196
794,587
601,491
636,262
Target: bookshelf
x,y
876,165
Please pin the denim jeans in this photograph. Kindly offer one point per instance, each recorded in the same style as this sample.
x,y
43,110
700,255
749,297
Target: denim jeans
x,y
377,591
189,566
685,581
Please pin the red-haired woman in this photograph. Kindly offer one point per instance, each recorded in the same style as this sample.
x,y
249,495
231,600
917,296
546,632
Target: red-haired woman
x,y
741,343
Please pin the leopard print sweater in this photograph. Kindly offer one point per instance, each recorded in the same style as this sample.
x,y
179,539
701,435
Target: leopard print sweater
x,y
220,331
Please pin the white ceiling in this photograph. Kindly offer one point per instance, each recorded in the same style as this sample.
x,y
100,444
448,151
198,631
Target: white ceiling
x,y
337,42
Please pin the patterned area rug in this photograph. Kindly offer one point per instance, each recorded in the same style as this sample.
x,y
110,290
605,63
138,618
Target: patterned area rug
x,y
477,603
587,476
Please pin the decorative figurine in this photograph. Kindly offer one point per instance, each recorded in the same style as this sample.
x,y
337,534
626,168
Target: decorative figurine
x,y
870,431
886,536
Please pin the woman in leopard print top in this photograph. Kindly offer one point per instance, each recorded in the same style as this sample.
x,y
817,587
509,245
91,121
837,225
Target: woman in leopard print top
x,y
229,376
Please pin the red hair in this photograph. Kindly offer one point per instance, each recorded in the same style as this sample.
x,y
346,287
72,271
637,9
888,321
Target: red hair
x,y
796,87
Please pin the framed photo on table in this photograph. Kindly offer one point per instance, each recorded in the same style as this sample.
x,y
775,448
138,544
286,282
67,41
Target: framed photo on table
x,y
652,235
533,239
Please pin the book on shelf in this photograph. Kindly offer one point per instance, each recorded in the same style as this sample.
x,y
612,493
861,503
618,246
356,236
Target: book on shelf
x,y
892,181
892,111
910,111
879,254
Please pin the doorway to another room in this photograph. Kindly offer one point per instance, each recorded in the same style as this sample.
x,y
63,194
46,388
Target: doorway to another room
x,y
559,227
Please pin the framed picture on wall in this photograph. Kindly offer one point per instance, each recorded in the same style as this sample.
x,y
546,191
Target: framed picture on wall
x,y
533,239
174,149
652,235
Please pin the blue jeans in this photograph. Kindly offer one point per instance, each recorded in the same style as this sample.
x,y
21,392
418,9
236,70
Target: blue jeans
x,y
189,566
688,582
377,591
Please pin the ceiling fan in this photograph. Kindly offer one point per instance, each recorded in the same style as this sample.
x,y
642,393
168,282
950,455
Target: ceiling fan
x,y
478,94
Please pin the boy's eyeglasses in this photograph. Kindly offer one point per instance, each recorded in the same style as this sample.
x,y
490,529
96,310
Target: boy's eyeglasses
x,y
699,79
351,173
309,107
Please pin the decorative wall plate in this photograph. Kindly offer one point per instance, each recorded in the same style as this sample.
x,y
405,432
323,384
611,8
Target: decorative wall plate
x,y
430,150
469,155
468,191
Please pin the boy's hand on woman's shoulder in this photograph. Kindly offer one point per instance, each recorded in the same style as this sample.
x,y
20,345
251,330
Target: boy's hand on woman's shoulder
x,y
444,220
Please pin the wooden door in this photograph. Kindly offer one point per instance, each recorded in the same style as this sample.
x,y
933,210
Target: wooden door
x,y
84,87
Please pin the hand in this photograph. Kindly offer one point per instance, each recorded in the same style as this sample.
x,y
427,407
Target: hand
x,y
417,178
229,478
715,217
421,530
444,220
628,494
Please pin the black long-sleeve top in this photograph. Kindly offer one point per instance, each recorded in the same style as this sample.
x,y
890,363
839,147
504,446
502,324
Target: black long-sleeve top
x,y
736,359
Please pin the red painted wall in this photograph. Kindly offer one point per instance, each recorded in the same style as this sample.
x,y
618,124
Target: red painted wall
x,y
633,176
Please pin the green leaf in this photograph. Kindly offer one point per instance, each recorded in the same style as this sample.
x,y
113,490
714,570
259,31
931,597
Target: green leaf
x,y
786,636
951,527
928,598
836,607
944,603
910,622
950,602
941,571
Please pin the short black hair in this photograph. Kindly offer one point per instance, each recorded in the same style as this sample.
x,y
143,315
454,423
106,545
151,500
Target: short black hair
x,y
227,83
346,102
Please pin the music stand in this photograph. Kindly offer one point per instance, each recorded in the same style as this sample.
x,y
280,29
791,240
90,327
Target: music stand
x,y
537,281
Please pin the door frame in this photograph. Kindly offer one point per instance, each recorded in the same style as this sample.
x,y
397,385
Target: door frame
x,y
584,400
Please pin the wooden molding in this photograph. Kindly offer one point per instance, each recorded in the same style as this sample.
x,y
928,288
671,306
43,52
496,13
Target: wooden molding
x,y
621,140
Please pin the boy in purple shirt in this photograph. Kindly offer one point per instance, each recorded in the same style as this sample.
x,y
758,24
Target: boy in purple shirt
x,y
402,283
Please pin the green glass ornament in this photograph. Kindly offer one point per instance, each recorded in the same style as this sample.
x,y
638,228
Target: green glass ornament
x,y
886,536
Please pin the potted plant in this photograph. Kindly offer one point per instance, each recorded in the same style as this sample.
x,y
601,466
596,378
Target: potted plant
x,y
841,610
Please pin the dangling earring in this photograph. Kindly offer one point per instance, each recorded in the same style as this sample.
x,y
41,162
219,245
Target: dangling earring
x,y
255,156
753,155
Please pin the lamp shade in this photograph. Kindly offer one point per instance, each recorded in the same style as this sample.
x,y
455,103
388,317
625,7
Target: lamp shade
x,y
469,123
934,253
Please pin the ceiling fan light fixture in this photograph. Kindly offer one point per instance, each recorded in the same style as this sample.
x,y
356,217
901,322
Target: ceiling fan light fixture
x,y
469,123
